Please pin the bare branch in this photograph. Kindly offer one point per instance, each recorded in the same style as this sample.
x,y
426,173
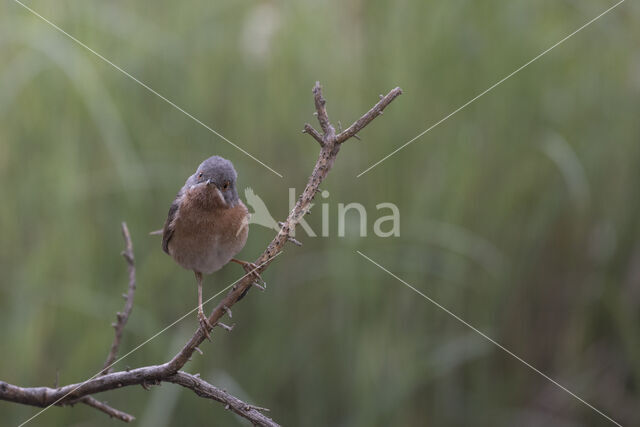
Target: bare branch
x,y
123,316
170,371
314,133
45,396
39,396
323,117
363,121
101,406
208,391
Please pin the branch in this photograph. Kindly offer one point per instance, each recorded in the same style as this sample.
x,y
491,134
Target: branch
x,y
170,371
122,317
37,396
321,112
314,133
64,396
374,112
101,406
206,390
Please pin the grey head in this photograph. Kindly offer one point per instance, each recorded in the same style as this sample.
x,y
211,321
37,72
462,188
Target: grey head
x,y
221,173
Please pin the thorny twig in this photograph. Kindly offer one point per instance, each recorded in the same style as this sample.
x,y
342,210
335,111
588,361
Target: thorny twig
x,y
122,317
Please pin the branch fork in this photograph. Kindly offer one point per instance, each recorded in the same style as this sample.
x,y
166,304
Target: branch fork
x,y
329,133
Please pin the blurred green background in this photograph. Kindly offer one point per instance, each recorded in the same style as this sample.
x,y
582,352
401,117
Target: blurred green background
x,y
520,213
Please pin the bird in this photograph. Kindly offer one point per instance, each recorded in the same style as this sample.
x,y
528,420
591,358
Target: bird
x,y
207,225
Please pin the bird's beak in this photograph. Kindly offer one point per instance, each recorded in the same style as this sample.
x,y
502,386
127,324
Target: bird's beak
x,y
208,182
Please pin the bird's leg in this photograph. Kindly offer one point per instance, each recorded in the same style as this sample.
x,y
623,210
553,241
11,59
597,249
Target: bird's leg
x,y
204,322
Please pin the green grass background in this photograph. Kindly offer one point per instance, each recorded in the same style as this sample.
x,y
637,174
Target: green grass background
x,y
520,213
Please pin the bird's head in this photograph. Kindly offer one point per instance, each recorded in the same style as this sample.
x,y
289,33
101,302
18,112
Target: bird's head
x,y
220,174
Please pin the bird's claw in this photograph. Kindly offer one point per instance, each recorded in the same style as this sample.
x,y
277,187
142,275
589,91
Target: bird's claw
x,y
252,269
204,323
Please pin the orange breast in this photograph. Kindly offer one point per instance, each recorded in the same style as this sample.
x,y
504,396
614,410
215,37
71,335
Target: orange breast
x,y
234,225
206,240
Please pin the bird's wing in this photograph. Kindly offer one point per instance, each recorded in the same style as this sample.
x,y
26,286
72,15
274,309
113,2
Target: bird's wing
x,y
169,224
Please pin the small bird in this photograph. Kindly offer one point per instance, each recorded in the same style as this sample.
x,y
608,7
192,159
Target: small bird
x,y
208,224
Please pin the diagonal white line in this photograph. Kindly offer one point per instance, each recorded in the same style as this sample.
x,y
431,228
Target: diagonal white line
x,y
491,340
145,342
493,86
177,107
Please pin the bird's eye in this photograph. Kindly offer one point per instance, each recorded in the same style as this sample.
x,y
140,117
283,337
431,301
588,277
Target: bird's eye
x,y
225,185
200,175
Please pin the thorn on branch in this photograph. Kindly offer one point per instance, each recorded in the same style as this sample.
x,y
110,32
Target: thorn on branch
x,y
289,237
226,327
228,311
294,241
256,408
146,384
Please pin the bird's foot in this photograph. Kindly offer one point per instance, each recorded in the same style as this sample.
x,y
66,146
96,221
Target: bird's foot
x,y
204,323
252,269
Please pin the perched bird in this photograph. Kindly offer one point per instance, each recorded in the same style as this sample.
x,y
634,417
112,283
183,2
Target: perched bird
x,y
207,224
